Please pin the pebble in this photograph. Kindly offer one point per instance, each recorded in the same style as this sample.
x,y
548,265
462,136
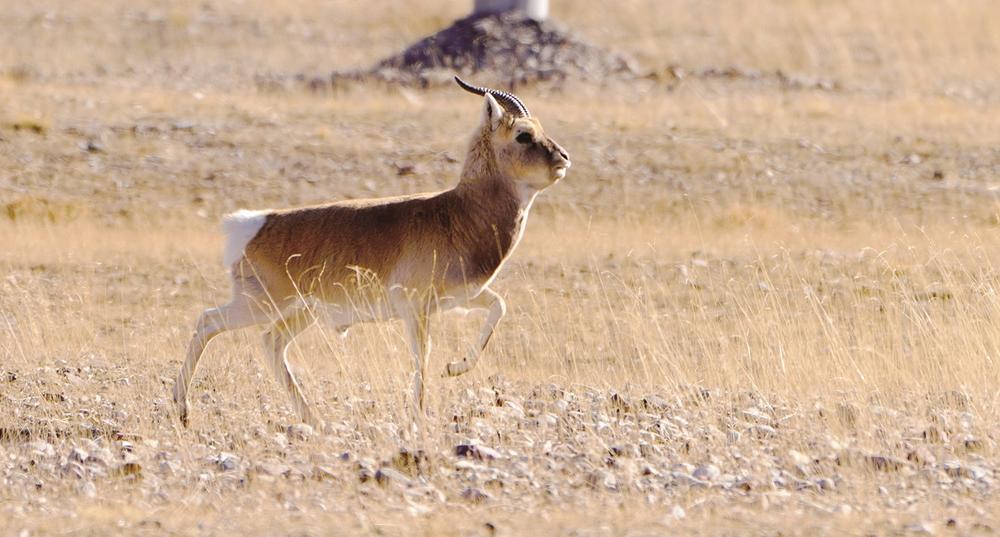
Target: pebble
x,y
708,472
300,431
475,495
476,451
226,462
686,479
386,476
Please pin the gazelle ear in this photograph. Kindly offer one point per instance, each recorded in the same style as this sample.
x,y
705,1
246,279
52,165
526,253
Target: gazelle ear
x,y
492,113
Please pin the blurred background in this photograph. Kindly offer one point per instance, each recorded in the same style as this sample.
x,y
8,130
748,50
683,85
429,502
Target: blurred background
x,y
807,108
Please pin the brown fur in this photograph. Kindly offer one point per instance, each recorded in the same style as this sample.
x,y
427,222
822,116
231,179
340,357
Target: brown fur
x,y
430,241
438,236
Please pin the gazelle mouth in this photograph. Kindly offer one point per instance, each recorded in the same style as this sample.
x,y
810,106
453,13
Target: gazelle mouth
x,y
560,171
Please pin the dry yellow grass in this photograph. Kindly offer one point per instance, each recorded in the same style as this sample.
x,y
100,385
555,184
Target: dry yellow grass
x,y
795,287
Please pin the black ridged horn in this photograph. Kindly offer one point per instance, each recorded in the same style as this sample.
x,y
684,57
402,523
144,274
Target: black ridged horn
x,y
508,101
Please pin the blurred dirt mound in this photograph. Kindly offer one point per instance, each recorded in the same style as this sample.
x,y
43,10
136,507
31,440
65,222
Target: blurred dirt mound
x,y
514,48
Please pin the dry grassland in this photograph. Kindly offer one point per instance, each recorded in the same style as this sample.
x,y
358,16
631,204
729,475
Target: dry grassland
x,y
751,308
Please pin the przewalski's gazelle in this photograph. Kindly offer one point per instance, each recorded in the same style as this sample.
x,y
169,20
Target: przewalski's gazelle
x,y
390,258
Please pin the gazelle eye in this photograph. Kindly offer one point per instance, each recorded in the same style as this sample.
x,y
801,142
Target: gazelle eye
x,y
524,138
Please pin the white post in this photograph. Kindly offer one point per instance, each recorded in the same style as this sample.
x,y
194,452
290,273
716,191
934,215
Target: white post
x,y
536,9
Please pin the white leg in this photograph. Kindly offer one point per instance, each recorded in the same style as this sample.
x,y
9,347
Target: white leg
x,y
276,341
239,313
414,314
497,308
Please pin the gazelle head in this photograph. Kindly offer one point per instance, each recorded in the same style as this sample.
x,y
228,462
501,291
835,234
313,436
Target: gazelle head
x,y
519,146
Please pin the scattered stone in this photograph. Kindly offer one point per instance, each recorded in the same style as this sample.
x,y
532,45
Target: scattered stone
x,y
682,478
708,472
226,462
755,415
921,528
476,451
300,431
273,469
384,476
78,455
762,431
475,495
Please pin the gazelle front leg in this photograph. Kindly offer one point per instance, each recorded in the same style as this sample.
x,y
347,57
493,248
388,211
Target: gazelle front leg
x,y
497,308
415,316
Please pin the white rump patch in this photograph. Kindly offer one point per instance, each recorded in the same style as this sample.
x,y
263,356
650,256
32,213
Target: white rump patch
x,y
240,228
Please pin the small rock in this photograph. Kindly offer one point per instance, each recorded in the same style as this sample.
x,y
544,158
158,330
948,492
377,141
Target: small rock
x,y
617,451
515,410
226,462
685,479
755,414
78,455
300,431
385,476
922,529
799,459
274,469
91,146
322,473
762,431
709,472
475,495
654,402
476,451
44,449
365,474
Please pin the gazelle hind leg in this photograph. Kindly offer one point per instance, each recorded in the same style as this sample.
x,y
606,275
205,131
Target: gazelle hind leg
x,y
414,315
497,308
240,313
276,341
